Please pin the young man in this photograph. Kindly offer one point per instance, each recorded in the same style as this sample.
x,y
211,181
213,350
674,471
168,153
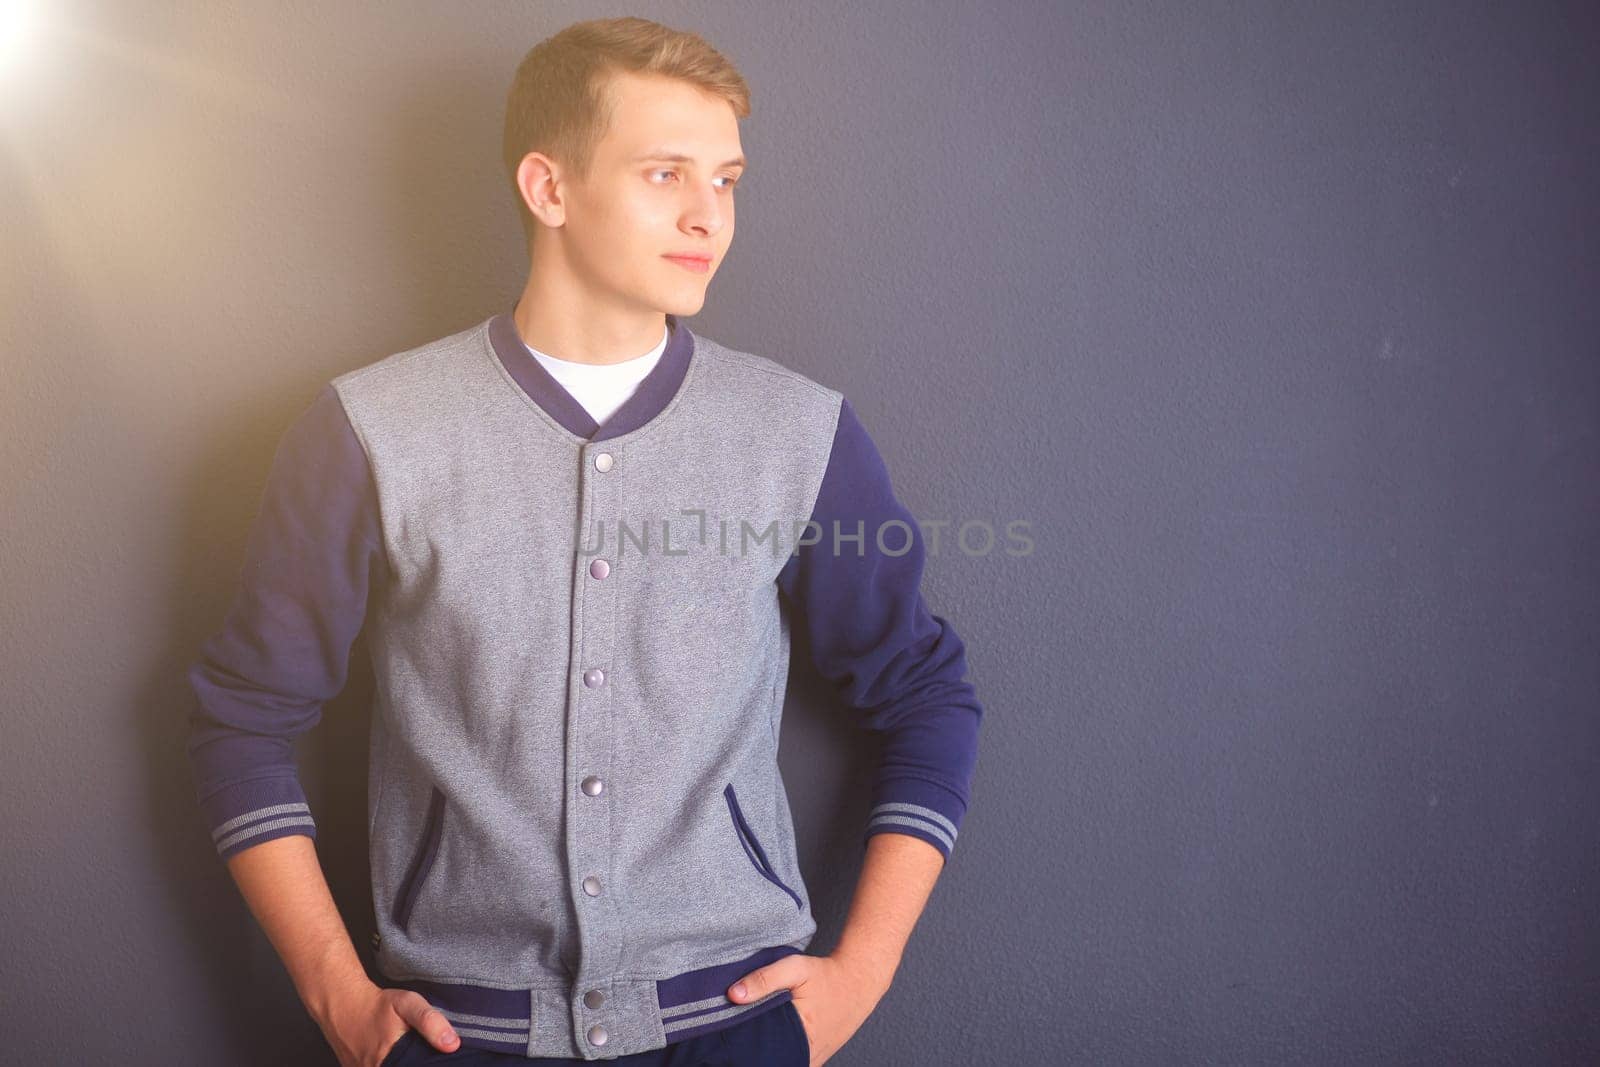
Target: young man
x,y
583,565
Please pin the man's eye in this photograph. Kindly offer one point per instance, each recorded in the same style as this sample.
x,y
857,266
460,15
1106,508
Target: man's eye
x,y
732,181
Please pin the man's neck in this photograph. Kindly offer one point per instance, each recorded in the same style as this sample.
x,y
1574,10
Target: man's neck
x,y
599,338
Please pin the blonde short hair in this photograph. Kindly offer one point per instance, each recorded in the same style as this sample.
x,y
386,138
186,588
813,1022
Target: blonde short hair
x,y
558,103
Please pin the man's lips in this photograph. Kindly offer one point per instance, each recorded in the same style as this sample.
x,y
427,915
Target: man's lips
x,y
690,262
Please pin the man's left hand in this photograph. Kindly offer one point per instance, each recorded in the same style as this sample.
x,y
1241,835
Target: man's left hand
x,y
833,996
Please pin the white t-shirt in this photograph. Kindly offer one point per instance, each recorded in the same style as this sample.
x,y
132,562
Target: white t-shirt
x,y
601,388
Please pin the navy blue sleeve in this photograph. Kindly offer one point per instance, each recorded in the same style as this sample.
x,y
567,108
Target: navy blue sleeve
x,y
284,648
854,585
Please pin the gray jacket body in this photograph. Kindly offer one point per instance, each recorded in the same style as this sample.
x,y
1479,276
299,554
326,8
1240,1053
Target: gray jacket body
x,y
580,668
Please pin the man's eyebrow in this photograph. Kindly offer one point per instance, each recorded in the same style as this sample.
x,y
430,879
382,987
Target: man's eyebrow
x,y
675,157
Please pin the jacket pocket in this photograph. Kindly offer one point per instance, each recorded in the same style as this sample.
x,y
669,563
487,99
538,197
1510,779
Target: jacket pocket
x,y
421,862
752,847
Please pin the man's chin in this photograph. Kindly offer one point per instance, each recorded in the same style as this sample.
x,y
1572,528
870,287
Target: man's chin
x,y
684,306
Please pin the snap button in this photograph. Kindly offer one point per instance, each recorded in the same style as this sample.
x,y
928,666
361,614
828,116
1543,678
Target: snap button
x,y
591,885
602,462
599,568
594,998
593,785
597,1035
594,677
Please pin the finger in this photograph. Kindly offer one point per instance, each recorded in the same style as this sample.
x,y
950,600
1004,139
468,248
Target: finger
x,y
750,987
783,974
430,1022
436,1028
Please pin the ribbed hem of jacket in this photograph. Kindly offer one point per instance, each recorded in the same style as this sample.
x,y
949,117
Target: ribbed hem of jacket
x,y
691,1005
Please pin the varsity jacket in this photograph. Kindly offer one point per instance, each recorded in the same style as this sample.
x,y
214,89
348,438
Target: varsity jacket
x,y
579,837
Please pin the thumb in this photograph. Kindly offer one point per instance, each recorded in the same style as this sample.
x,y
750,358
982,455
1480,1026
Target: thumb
x,y
431,1022
782,974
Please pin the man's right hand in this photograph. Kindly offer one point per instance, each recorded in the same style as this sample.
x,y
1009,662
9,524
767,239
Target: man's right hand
x,y
283,883
364,1024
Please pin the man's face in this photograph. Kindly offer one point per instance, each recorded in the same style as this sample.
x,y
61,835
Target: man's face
x,y
637,208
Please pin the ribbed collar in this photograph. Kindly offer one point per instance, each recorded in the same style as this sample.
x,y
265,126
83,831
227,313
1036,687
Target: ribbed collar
x,y
655,390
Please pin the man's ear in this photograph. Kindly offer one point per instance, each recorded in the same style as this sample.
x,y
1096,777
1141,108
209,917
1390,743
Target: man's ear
x,y
539,182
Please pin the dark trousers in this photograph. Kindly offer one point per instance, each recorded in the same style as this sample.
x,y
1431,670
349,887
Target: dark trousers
x,y
772,1038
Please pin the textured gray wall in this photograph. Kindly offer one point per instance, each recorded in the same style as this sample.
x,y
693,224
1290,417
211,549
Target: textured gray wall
x,y
1278,324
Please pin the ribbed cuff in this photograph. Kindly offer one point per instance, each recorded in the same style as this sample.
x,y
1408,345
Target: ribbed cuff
x,y
917,808
251,812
